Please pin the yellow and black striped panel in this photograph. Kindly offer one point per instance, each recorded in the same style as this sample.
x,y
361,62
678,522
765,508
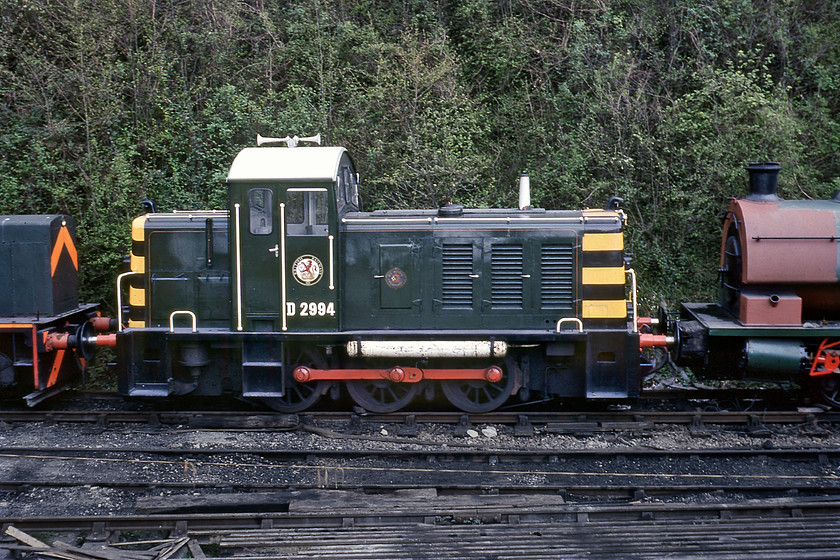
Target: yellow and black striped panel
x,y
138,245
137,283
602,249
603,277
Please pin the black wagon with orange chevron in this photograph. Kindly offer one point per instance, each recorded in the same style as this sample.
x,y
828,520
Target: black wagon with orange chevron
x,y
46,335
293,292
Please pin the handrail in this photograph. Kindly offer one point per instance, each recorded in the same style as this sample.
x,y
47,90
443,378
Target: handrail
x,y
238,263
570,320
172,320
633,296
119,298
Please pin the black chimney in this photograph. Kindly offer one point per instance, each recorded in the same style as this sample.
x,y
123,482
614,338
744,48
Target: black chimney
x,y
763,179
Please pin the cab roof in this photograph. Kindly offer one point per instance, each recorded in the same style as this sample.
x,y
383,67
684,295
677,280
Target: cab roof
x,y
286,164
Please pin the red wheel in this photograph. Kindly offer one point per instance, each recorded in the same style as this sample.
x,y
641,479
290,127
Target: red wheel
x,y
382,396
300,396
478,396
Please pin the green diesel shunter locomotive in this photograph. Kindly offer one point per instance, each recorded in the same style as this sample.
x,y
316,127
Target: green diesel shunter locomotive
x,y
293,292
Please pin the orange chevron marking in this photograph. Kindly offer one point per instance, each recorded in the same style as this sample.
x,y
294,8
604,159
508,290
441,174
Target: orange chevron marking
x,y
64,241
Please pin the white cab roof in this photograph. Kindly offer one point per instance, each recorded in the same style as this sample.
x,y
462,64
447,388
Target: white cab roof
x,y
286,164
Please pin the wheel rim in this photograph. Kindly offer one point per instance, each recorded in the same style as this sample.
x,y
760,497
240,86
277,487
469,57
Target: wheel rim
x,y
300,396
829,390
382,395
478,396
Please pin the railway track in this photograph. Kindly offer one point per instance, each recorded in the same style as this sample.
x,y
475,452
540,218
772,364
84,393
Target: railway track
x,y
746,401
421,525
132,477
251,484
639,539
219,496
491,456
329,508
552,422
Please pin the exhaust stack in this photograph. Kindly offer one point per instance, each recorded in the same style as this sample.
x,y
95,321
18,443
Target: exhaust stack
x,y
524,192
763,179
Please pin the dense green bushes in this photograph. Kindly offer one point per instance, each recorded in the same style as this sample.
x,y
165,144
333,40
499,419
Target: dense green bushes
x,y
108,102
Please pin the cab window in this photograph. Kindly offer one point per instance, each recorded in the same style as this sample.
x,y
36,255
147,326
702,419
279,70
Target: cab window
x,y
259,208
348,189
307,212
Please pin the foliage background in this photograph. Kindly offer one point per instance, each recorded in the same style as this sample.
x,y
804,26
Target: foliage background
x,y
104,103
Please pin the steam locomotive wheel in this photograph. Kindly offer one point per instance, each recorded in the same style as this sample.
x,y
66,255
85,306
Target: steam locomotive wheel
x,y
478,396
382,396
300,396
828,390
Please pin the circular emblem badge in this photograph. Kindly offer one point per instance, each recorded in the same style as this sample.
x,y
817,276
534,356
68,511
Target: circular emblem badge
x,y
307,270
395,278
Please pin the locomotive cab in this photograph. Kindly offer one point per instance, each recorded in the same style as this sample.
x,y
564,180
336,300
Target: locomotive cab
x,y
284,206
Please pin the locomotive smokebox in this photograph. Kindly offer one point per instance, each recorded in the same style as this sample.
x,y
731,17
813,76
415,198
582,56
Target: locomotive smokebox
x,y
763,180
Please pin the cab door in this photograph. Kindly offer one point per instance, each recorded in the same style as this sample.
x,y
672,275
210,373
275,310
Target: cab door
x,y
255,224
307,252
